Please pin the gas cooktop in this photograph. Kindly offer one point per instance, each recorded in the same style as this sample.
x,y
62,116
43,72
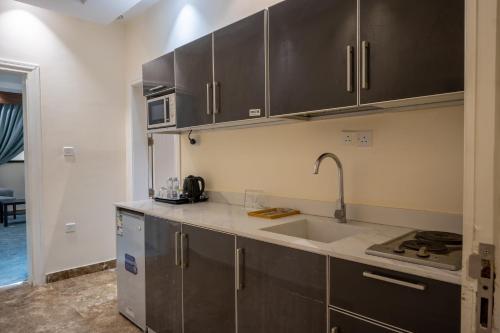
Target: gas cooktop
x,y
430,248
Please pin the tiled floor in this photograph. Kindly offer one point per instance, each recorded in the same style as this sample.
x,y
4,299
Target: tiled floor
x,y
13,252
83,304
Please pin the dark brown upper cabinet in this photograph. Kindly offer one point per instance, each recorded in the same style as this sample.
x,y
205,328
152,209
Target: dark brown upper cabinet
x,y
208,281
280,289
158,75
410,48
240,70
193,83
312,55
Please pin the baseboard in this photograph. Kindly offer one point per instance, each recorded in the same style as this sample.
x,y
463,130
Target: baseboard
x,y
78,271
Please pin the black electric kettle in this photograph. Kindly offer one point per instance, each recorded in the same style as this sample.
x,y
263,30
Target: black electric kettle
x,y
193,187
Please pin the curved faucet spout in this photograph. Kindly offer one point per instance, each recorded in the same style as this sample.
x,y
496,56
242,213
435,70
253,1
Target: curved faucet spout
x,y
340,214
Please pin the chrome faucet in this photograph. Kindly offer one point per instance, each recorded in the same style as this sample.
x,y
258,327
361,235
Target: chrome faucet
x,y
340,212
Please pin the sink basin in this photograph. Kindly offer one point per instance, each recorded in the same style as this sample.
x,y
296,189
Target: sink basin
x,y
319,231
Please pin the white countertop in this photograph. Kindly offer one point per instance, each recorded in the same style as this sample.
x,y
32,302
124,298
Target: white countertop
x,y
234,220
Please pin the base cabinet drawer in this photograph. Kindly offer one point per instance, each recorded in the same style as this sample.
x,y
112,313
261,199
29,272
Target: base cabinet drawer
x,y
409,302
344,323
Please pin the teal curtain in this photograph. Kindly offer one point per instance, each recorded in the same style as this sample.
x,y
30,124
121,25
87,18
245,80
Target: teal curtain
x,y
11,131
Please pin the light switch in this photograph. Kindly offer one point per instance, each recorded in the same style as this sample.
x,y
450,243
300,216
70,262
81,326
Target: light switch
x,y
69,151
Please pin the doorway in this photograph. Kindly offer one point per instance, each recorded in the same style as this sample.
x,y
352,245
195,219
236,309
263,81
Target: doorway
x,y
13,236
32,140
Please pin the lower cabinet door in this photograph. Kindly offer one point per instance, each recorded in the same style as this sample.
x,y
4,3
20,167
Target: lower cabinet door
x,y
209,281
281,290
343,323
163,277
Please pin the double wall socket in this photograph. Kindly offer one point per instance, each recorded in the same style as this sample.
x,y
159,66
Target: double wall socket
x,y
357,138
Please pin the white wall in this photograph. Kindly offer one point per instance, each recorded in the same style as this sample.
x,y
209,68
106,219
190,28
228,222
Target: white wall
x,y
12,177
416,160
83,101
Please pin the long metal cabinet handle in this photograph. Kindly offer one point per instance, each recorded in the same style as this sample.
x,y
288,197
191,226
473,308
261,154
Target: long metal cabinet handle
x,y
184,249
239,268
216,97
364,64
349,55
417,286
177,244
209,86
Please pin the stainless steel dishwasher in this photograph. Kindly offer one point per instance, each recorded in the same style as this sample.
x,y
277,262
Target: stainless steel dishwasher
x,y
130,271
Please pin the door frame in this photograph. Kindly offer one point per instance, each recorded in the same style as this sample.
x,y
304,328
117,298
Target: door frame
x,y
481,191
33,166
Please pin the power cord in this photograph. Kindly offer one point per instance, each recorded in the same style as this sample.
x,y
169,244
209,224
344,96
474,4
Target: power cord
x,y
191,140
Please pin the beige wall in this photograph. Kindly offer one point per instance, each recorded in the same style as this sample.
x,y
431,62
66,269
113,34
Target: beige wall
x,y
416,160
12,177
83,101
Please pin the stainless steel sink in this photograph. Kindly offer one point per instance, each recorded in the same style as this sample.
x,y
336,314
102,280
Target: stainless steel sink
x,y
319,231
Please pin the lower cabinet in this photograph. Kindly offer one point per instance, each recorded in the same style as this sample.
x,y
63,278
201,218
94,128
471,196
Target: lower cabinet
x,y
190,279
281,290
341,322
163,276
406,302
208,281
199,280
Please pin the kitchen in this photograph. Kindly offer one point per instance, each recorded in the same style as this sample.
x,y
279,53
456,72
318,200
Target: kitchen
x,y
337,267
258,166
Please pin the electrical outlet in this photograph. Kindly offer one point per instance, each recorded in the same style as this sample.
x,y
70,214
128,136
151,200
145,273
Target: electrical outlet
x,y
70,227
364,138
348,137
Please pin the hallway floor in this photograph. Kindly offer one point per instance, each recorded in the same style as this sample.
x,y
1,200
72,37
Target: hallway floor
x,y
86,304
13,267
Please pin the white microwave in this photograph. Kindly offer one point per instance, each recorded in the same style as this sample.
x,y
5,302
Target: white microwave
x,y
161,111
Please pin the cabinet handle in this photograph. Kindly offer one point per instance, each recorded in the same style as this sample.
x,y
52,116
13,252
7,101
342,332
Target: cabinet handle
x,y
365,47
239,268
335,330
184,249
216,97
417,286
209,86
156,88
177,243
349,68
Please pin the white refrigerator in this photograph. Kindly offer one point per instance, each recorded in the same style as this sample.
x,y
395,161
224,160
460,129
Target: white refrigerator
x,y
130,260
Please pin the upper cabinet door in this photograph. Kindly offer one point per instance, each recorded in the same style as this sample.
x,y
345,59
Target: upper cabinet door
x,y
193,78
410,48
312,62
239,70
208,281
158,75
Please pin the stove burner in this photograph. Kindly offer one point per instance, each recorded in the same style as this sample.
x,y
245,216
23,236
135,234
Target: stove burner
x,y
417,245
446,238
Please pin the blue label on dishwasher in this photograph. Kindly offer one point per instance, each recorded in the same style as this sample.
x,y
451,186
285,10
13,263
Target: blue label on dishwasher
x,y
130,264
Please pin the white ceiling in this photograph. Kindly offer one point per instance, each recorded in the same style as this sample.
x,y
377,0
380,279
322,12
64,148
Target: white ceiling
x,y
11,82
99,11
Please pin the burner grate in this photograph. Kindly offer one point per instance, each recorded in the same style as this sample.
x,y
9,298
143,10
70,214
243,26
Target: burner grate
x,y
446,238
417,244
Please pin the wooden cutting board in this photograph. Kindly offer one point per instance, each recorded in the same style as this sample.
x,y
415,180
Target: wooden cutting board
x,y
274,213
